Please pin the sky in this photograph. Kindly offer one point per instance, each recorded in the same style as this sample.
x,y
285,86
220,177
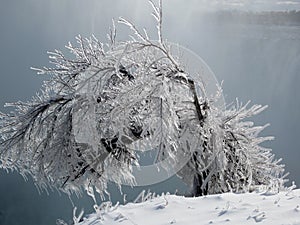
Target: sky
x,y
258,63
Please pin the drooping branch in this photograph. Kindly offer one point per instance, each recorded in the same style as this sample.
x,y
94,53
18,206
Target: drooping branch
x,y
80,131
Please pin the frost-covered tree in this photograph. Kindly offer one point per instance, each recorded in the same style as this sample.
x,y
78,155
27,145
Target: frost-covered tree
x,y
230,156
108,99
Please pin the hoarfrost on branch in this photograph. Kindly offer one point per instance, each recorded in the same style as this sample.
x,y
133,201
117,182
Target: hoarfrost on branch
x,y
82,129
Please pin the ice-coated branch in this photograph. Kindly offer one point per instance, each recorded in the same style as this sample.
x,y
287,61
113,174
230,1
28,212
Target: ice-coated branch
x,y
79,132
134,29
157,14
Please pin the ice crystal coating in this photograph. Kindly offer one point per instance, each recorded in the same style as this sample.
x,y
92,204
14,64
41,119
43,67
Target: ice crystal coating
x,y
109,99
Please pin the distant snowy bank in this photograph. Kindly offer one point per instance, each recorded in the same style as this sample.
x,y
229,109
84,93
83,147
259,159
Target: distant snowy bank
x,y
228,208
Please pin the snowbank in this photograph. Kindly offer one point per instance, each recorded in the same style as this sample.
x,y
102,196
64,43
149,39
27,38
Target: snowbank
x,y
229,208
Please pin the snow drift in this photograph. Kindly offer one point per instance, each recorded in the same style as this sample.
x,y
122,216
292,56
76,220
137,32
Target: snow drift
x,y
228,208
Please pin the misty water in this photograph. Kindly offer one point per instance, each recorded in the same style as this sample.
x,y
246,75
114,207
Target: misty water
x,y
257,62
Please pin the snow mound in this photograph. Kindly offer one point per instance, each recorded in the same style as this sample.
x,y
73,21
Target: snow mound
x,y
228,208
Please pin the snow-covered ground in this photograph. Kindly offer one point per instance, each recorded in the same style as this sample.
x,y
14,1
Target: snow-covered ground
x,y
228,208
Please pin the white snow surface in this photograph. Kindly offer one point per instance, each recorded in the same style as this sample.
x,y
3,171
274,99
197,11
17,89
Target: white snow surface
x,y
228,208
